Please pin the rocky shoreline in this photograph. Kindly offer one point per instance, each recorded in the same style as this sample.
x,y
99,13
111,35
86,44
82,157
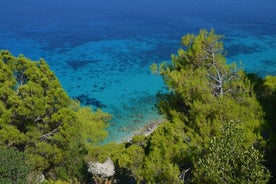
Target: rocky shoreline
x,y
147,129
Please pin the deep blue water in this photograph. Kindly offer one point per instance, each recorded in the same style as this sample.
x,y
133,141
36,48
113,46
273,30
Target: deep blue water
x,y
101,50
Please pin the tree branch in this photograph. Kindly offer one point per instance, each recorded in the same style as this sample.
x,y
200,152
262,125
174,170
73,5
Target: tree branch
x,y
45,136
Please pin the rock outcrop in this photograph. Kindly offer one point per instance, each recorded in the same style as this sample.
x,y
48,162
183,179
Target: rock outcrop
x,y
105,170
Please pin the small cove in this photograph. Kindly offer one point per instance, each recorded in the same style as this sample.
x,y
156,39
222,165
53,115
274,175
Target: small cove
x,y
101,51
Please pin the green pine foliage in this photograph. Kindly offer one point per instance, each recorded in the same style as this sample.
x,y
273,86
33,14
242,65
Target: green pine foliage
x,y
228,161
204,93
12,166
265,89
38,118
203,88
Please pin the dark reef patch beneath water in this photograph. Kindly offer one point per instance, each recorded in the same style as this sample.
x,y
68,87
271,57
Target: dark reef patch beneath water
x,y
87,101
233,50
269,62
77,64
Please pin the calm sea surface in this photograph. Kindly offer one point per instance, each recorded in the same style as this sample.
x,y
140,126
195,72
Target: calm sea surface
x,y
101,50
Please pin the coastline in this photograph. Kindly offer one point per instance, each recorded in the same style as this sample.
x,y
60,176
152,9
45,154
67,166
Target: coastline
x,y
146,130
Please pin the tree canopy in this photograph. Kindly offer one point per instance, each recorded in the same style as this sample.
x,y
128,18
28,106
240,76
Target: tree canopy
x,y
37,117
206,91
266,93
13,168
228,161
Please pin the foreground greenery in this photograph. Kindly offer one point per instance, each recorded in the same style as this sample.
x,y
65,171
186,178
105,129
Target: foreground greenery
x,y
219,128
38,118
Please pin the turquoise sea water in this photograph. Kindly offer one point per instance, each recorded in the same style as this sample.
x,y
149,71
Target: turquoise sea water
x,y
101,50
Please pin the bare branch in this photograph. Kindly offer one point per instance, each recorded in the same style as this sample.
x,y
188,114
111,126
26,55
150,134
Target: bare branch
x,y
38,119
45,136
229,79
213,78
